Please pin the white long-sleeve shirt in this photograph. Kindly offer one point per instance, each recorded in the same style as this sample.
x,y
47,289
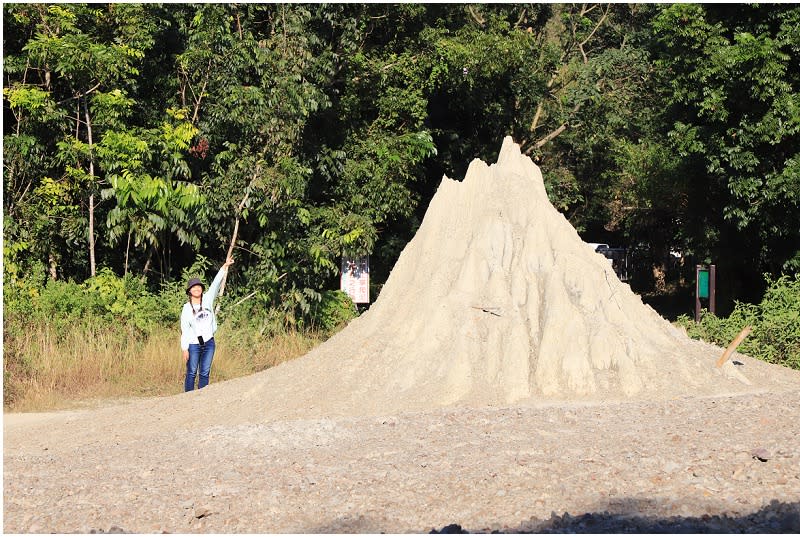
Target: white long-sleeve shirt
x,y
201,320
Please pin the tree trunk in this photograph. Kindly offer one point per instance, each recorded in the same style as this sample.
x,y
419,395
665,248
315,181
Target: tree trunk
x,y
127,251
53,266
92,264
147,263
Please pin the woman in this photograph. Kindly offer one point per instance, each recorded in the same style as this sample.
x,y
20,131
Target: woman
x,y
198,324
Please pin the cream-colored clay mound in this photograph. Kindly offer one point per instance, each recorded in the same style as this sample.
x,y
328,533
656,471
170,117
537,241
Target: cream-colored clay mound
x,y
497,300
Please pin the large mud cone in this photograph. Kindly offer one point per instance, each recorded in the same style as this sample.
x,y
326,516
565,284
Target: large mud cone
x,y
497,300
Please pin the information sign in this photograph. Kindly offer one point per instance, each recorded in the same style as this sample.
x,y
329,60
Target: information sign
x,y
702,283
355,278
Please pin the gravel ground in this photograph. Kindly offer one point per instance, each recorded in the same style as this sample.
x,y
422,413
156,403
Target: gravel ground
x,y
726,464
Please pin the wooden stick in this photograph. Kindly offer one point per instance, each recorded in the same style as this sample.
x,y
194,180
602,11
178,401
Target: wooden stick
x,y
732,347
236,227
251,295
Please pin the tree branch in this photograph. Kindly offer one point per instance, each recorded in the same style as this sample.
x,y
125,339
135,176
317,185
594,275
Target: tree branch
x,y
561,128
596,27
199,99
235,233
521,17
539,107
80,95
550,136
476,16
251,295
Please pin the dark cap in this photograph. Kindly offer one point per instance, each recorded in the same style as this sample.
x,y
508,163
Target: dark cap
x,y
193,282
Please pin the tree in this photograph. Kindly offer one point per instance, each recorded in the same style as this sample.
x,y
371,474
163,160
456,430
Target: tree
x,y
735,119
299,133
148,204
75,70
248,75
72,58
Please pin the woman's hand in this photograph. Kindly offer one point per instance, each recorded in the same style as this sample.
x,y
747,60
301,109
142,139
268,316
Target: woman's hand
x,y
228,262
185,356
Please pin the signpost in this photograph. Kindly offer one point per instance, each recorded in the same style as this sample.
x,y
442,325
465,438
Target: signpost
x,y
705,289
355,278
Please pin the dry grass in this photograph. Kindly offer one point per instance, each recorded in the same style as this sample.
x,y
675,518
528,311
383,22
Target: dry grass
x,y
44,372
242,353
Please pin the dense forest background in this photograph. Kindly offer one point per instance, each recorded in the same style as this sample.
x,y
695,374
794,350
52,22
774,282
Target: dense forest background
x,y
147,140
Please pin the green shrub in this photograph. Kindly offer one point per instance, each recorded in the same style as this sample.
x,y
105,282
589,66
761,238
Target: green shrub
x,y
775,336
106,300
127,301
333,311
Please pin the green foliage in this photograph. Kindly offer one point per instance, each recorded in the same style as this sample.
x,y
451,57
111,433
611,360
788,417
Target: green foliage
x,y
334,310
105,300
563,189
149,205
317,130
126,301
775,336
647,197
735,117
31,104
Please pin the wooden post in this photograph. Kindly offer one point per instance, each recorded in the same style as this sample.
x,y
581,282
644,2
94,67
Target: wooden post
x,y
697,294
712,289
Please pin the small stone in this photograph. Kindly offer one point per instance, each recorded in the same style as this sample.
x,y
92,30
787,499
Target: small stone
x,y
761,454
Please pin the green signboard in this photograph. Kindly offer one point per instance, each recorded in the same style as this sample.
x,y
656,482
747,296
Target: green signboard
x,y
702,283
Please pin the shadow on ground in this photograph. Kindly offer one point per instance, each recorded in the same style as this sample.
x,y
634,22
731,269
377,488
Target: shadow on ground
x,y
777,517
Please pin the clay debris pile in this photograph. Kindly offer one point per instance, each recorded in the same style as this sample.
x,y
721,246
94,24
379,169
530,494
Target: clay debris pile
x,y
497,300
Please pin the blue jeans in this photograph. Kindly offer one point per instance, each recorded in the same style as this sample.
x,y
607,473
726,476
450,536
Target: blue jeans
x,y
199,356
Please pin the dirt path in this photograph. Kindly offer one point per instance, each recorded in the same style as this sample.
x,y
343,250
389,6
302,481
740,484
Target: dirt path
x,y
506,468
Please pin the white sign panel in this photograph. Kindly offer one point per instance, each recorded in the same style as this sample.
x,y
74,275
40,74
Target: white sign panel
x,y
355,278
